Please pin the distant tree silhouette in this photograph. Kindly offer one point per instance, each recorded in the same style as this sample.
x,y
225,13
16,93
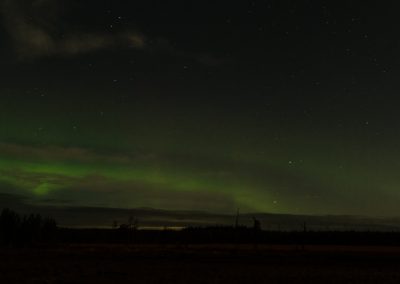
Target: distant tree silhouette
x,y
31,228
237,219
25,230
49,229
257,231
133,225
303,245
256,224
115,224
124,227
9,225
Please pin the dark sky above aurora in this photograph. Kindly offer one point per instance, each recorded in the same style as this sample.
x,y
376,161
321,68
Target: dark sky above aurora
x,y
270,106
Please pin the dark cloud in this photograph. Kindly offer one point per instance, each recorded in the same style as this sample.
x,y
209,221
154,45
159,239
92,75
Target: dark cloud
x,y
55,153
31,180
11,200
101,191
53,201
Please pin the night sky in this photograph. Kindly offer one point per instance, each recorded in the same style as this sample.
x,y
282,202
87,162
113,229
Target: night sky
x,y
267,106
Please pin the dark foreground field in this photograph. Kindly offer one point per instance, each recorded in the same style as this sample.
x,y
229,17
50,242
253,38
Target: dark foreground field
x,y
200,264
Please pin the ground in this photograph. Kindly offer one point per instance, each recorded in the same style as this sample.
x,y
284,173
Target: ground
x,y
200,264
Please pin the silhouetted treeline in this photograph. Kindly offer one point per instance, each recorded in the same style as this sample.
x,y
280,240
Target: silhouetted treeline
x,y
227,235
222,234
25,230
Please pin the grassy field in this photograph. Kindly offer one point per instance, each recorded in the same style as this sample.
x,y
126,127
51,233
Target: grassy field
x,y
200,264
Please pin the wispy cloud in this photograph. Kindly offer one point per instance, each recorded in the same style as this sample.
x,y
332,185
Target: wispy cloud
x,y
34,34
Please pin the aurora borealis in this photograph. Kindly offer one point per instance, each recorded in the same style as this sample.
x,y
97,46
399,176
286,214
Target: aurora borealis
x,y
267,106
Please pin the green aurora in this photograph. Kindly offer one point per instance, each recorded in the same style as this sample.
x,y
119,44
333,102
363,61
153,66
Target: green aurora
x,y
234,167
214,109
